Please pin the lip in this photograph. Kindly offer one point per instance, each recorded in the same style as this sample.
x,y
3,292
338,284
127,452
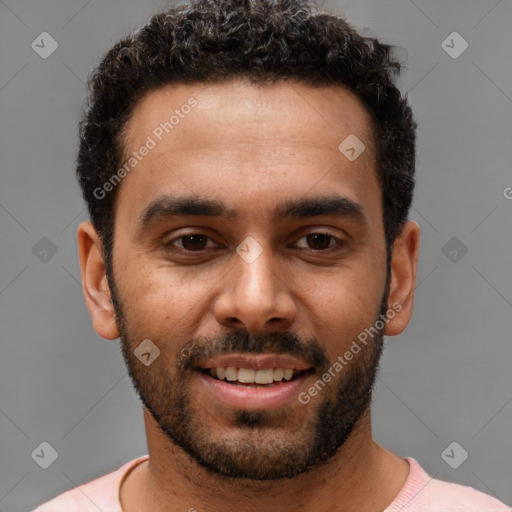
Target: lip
x,y
256,362
254,398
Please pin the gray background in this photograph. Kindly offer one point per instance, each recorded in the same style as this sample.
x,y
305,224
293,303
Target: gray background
x,y
446,379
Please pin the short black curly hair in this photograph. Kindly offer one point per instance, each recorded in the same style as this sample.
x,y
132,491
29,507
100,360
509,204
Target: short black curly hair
x,y
264,41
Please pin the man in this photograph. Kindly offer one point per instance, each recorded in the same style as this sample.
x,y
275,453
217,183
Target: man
x,y
249,168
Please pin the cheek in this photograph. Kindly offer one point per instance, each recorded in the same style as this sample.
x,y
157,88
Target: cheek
x,y
160,303
341,306
156,289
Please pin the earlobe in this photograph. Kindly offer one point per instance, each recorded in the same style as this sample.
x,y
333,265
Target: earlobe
x,y
404,264
94,282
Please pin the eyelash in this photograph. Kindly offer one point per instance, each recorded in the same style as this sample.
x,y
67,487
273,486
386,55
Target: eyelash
x,y
339,244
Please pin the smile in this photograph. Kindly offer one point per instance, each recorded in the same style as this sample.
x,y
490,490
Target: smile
x,y
257,382
241,376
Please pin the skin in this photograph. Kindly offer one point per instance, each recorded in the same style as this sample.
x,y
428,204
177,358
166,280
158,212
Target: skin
x,y
250,147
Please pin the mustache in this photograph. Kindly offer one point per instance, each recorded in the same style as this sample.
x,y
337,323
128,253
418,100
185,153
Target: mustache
x,y
199,349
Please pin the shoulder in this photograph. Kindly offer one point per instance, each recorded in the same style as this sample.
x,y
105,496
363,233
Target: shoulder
x,y
424,493
463,498
99,494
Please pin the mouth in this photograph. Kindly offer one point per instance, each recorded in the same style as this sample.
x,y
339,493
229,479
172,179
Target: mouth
x,y
248,377
254,382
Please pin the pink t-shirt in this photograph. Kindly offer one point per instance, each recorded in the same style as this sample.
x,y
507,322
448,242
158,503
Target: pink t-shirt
x,y
420,493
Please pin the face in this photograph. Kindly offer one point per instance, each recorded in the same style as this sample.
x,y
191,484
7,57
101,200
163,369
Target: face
x,y
250,251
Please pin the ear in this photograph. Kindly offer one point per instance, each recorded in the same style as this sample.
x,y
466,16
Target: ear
x,y
94,282
404,265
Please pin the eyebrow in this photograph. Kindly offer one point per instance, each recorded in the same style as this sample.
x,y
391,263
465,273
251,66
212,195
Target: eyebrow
x,y
166,207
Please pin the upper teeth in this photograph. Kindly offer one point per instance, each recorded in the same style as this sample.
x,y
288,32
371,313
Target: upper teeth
x,y
248,375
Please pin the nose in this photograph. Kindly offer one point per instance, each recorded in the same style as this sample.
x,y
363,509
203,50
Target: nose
x,y
255,295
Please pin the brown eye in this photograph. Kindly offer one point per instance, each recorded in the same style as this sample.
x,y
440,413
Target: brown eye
x,y
321,241
191,242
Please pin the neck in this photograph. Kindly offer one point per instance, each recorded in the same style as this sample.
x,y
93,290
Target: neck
x,y
362,476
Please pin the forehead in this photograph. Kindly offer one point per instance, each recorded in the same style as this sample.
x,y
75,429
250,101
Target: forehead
x,y
300,109
244,141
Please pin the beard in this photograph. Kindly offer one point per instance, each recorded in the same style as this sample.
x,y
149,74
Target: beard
x,y
257,445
